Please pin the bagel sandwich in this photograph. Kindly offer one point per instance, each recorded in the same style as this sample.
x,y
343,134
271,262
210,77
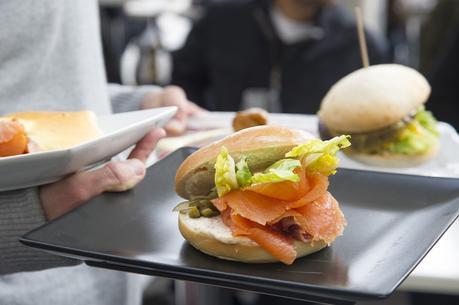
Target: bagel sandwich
x,y
260,195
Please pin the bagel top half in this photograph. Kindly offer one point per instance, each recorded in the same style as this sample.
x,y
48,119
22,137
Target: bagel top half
x,y
261,145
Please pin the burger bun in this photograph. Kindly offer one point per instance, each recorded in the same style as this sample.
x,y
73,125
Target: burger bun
x,y
373,98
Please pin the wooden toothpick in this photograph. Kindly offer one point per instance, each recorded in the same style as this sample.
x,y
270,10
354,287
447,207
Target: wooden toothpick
x,y
362,40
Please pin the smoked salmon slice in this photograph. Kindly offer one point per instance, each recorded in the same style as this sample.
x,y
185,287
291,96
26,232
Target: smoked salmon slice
x,y
251,205
324,219
285,190
319,185
257,211
219,203
297,217
13,139
276,243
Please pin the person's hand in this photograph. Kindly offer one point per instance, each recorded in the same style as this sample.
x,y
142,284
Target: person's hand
x,y
60,197
172,96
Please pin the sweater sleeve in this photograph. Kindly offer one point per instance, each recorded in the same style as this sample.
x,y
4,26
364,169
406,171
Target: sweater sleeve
x,y
128,98
20,212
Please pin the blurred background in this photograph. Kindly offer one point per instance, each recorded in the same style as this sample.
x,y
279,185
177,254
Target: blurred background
x,y
280,55
233,54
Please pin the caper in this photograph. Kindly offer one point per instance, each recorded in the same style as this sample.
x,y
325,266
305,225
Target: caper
x,y
205,203
206,212
194,212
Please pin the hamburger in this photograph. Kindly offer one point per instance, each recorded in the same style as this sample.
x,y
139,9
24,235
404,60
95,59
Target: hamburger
x,y
260,195
382,108
25,132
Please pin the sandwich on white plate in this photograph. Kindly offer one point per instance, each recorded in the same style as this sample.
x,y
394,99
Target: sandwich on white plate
x,y
382,108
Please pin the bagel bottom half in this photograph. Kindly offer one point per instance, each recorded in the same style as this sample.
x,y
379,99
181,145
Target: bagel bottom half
x,y
213,237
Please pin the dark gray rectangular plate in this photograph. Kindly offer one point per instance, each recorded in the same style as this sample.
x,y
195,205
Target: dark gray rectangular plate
x,y
393,221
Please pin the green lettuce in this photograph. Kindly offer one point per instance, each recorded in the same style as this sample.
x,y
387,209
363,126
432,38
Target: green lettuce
x,y
243,174
315,155
320,156
282,170
225,173
427,121
417,137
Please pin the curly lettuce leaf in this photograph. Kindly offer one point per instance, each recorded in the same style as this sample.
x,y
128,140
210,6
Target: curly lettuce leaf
x,y
282,170
315,146
225,173
243,174
427,121
325,164
320,156
315,155
417,137
412,140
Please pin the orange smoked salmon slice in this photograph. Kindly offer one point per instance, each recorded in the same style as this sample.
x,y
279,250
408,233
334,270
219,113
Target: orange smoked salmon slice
x,y
285,190
299,218
13,139
277,244
324,219
251,205
319,185
219,203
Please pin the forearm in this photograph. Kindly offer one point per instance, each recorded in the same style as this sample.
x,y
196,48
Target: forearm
x,y
20,212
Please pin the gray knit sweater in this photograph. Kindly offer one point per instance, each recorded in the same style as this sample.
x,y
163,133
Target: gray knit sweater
x,y
51,59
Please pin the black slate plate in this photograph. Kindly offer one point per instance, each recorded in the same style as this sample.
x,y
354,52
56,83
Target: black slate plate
x,y
393,221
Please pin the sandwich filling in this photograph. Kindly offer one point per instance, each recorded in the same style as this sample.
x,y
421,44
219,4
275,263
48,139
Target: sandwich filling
x,y
287,201
414,135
